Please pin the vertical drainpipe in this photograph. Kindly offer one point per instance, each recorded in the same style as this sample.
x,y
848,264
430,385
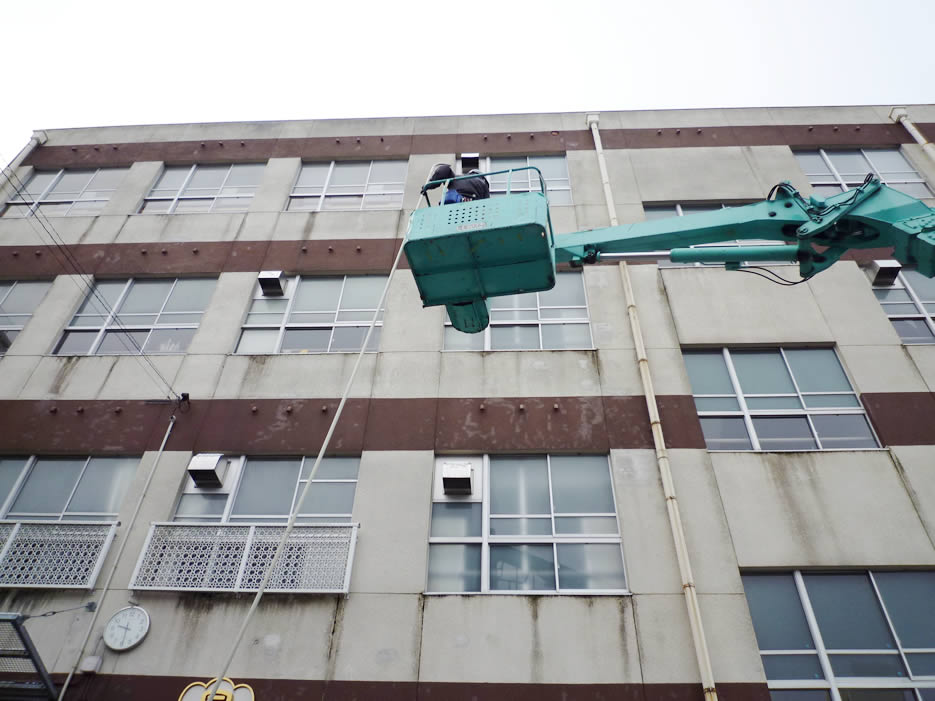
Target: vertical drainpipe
x,y
662,455
37,139
900,115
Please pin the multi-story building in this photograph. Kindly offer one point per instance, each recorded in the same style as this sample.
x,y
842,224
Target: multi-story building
x,y
799,422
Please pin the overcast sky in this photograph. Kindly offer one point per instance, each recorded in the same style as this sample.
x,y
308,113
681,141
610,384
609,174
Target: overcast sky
x,y
71,64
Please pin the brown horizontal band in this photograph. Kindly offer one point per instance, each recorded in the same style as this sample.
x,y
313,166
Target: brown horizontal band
x,y
902,418
495,144
119,687
298,426
315,257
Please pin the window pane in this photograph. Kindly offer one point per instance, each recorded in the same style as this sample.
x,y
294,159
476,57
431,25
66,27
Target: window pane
x,y
557,336
716,404
362,292
590,566
456,340
107,179
201,505
107,290
122,343
889,161
103,485
759,403
784,433
313,175
848,614
24,298
266,487
388,172
523,301
722,433
844,431
913,330
581,484
70,184
880,695
849,162
306,340
519,485
867,666
39,182
817,370
792,667
909,598
522,567
48,486
812,163
6,340
329,498
191,295
568,291
924,287
453,519
762,372
514,337
258,341
318,294
778,618
824,401
172,178
169,340
349,339
520,526
350,173
332,468
10,469
207,179
922,665
589,525
708,372
454,568
75,342
799,695
245,175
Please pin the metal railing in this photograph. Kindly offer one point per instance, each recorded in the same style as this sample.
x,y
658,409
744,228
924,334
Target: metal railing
x,y
233,557
53,554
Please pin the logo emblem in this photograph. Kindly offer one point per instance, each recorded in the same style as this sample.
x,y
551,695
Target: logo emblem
x,y
227,691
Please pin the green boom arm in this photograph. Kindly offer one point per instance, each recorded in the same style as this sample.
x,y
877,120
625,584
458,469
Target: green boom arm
x,y
487,249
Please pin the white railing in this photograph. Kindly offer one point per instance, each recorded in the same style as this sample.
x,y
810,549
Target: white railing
x,y
233,557
53,554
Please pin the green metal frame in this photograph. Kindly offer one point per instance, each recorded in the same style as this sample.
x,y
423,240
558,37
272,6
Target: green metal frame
x,y
462,264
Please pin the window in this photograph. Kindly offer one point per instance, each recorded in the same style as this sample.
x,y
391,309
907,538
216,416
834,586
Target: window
x,y
128,317
349,185
550,320
18,300
867,636
70,489
554,171
264,490
533,524
910,305
831,172
664,211
315,315
204,188
776,399
65,192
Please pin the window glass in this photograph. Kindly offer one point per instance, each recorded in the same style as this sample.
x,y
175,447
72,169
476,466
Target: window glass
x,y
10,471
590,566
23,297
909,598
777,613
48,486
66,192
204,188
847,611
708,372
349,185
762,372
519,485
329,498
333,468
867,666
784,433
197,505
454,568
456,519
722,433
103,485
817,370
851,165
266,487
792,667
581,484
522,567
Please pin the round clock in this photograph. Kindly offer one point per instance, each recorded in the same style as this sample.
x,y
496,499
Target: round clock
x,y
126,628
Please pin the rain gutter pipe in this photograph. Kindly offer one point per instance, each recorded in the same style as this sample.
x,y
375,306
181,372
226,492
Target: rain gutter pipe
x,y
900,115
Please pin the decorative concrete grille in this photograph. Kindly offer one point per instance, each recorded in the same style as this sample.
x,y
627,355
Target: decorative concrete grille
x,y
234,557
53,554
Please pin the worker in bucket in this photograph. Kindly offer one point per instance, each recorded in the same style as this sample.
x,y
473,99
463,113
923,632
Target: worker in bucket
x,y
462,190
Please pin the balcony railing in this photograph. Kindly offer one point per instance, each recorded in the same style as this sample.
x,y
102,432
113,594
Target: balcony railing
x,y
53,554
234,558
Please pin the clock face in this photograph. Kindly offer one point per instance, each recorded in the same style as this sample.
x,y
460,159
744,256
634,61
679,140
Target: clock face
x,y
126,628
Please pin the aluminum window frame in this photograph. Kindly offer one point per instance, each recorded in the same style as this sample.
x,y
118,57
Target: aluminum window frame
x,y
362,193
833,683
485,539
538,323
24,317
748,415
35,203
181,197
48,516
921,313
816,179
292,288
489,164
234,481
112,324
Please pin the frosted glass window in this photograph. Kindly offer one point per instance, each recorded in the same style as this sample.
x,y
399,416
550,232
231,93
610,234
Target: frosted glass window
x,y
834,171
48,486
69,192
519,486
18,301
454,519
454,568
349,185
204,188
910,305
590,566
267,487
581,484
522,567
762,372
103,485
708,372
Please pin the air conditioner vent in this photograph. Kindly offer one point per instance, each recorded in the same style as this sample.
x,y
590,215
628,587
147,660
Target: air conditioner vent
x,y
272,283
457,478
208,469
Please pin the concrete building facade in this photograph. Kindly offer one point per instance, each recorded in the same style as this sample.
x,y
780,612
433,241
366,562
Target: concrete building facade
x,y
799,421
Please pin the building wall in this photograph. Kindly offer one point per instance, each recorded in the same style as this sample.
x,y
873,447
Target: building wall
x,y
742,511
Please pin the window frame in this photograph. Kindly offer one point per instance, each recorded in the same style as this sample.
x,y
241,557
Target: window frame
x,y
485,539
17,328
921,313
846,185
831,682
490,165
748,415
487,333
179,197
233,481
18,198
113,311
324,194
292,287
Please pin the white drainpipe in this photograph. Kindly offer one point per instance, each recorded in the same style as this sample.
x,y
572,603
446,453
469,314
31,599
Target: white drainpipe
x,y
900,115
37,139
662,455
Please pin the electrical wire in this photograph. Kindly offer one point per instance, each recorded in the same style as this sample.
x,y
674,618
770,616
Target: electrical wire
x,y
90,289
752,269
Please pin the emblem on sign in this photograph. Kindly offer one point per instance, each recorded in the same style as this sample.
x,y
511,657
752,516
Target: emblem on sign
x,y
227,691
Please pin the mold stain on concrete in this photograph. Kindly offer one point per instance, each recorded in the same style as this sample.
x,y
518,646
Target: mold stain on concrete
x,y
334,638
535,652
65,368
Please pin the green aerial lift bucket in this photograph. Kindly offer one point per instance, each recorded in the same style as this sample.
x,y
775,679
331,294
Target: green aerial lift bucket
x,y
461,254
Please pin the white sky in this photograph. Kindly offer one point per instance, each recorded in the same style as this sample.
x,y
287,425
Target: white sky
x,y
90,63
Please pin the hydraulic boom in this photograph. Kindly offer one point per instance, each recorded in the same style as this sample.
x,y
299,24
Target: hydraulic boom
x,y
463,253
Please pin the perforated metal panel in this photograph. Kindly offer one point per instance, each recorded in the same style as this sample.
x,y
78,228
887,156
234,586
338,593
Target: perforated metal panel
x,y
234,557
53,554
19,657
